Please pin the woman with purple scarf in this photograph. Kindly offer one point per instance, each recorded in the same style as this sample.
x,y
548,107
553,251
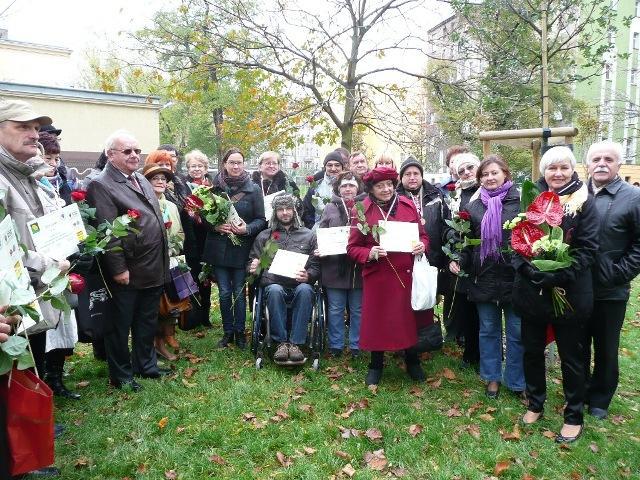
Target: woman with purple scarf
x,y
491,276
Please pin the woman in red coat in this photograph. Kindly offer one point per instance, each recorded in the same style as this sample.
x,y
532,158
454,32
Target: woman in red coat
x,y
388,321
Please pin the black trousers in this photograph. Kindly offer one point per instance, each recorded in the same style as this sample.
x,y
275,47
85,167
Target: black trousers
x,y
410,357
38,344
466,316
134,310
570,348
603,331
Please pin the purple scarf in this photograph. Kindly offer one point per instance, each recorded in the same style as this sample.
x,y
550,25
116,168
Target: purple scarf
x,y
491,226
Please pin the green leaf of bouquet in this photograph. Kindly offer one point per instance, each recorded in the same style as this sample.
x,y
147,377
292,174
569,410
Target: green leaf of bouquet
x,y
471,241
6,363
49,275
29,311
22,297
528,195
15,345
549,265
58,286
5,293
25,361
556,234
59,303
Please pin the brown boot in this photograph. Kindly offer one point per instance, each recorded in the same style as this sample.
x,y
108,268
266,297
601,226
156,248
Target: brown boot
x,y
161,348
170,336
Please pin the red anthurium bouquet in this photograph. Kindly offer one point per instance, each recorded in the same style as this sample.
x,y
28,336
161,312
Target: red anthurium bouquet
x,y
537,236
216,210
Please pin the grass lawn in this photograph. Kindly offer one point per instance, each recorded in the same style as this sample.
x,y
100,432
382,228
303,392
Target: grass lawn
x,y
219,417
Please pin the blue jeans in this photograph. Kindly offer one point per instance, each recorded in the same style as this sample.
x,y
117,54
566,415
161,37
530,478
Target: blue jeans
x,y
490,316
231,289
301,301
338,299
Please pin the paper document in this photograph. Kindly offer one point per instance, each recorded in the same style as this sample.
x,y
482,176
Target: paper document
x,y
288,264
57,234
234,218
398,236
268,202
333,240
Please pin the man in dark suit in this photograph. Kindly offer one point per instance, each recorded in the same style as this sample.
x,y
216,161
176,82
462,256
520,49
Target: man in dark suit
x,y
137,271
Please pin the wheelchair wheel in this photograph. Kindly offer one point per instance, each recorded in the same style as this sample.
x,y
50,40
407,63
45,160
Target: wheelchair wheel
x,y
256,329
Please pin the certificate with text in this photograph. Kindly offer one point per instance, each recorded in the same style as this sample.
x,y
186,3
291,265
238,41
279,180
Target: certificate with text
x,y
333,240
398,236
58,233
288,264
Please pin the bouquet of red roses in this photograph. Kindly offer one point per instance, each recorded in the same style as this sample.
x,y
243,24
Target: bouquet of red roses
x,y
461,225
537,236
216,210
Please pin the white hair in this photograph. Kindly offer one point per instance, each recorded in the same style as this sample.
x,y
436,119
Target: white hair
x,y
112,139
269,154
615,147
196,156
557,155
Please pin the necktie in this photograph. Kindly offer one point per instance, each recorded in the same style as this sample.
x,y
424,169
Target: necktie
x,y
134,182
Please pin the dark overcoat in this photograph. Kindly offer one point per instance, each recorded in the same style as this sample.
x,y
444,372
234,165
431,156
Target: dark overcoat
x,y
143,254
388,321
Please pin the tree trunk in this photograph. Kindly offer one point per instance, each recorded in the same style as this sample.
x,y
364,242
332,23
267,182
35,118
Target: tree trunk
x,y
218,119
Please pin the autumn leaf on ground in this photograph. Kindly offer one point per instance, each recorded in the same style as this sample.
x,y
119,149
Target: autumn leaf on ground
x,y
299,391
415,430
189,372
279,416
342,454
163,422
491,410
348,470
373,389
373,434
511,436
576,476
448,374
235,376
454,411
142,468
486,417
309,450
397,472
617,419
349,432
82,384
217,459
201,335
376,460
180,429
549,434
82,462
170,475
188,384
306,408
416,391
283,459
473,430
501,467
594,448
436,383
534,454
247,417
528,476
474,408
298,378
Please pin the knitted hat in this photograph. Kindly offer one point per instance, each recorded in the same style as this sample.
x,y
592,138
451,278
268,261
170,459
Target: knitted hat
x,y
379,174
285,200
462,159
334,157
411,162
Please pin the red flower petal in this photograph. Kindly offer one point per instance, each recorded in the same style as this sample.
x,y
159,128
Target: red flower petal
x,y
523,236
451,187
76,283
310,179
133,214
546,208
79,195
463,215
275,235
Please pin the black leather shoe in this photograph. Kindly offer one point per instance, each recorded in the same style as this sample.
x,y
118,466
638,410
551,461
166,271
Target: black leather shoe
x,y
43,472
226,339
241,340
492,394
129,384
599,413
562,439
373,376
162,372
414,370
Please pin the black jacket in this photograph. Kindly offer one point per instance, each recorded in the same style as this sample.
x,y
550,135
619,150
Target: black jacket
x,y
532,299
491,281
618,258
279,183
249,203
434,212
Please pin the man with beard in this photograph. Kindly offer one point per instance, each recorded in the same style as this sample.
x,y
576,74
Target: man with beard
x,y
617,264
318,196
287,231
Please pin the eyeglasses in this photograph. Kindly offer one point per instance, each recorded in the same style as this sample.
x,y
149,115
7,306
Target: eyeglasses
x,y
468,168
270,164
235,164
158,178
128,151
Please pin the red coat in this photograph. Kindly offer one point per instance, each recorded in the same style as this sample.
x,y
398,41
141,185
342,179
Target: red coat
x,y
388,321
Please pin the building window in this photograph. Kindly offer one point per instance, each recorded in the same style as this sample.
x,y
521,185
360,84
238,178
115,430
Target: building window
x,y
636,40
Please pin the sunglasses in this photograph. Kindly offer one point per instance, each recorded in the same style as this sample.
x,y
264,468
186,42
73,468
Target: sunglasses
x,y
468,168
128,151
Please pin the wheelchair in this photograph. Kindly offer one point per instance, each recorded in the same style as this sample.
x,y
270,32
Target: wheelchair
x,y
261,340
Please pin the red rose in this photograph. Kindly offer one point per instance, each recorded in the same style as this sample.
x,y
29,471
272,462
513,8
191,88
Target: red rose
x,y
295,165
133,214
451,187
168,224
76,283
463,215
79,195
310,179
193,202
275,235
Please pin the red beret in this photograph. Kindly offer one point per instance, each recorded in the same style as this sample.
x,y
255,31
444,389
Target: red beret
x,y
379,174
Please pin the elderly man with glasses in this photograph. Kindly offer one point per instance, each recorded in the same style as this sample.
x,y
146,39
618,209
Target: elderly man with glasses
x,y
137,271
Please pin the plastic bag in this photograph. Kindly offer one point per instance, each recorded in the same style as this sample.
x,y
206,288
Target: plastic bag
x,y
424,284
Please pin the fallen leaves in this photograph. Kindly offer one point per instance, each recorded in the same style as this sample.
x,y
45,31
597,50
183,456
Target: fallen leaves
x,y
171,475
448,374
415,430
373,434
501,467
189,372
163,422
594,448
279,416
348,470
473,430
549,434
201,335
416,391
486,417
81,462
618,419
376,460
352,407
343,455
454,411
188,384
82,384
511,436
217,459
306,408
309,450
193,359
283,459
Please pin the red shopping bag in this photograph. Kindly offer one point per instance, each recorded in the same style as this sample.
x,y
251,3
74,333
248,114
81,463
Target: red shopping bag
x,y
29,403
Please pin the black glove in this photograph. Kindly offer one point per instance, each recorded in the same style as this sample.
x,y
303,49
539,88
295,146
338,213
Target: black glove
x,y
544,279
82,263
527,271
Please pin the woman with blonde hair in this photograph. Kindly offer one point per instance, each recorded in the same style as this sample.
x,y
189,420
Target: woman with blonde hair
x,y
385,160
197,168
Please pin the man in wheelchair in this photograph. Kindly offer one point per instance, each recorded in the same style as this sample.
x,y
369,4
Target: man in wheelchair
x,y
286,229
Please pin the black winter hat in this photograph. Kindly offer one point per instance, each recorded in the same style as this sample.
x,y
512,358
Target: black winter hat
x,y
334,157
411,162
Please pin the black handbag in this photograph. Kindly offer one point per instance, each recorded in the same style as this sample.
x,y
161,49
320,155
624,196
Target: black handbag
x,y
430,338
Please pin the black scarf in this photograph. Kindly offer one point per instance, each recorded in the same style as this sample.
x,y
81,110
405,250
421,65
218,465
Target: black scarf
x,y
572,186
385,206
232,184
